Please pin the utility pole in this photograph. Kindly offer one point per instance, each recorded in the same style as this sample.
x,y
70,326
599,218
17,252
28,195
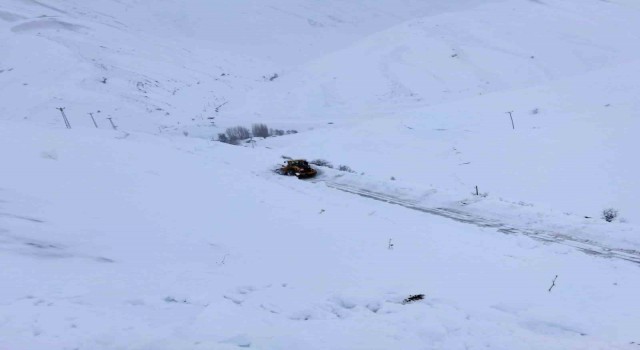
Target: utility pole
x,y
112,125
64,116
94,120
511,116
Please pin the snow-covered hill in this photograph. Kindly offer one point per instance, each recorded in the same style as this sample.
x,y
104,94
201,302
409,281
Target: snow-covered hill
x,y
139,242
429,98
68,54
573,148
448,57
154,236
169,64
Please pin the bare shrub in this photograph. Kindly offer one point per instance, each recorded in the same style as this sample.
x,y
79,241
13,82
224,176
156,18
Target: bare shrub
x,y
238,133
276,132
226,139
413,298
223,138
289,132
322,162
272,77
260,130
609,214
345,168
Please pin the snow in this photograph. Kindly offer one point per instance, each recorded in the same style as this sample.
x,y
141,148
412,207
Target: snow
x,y
580,164
153,236
452,56
141,242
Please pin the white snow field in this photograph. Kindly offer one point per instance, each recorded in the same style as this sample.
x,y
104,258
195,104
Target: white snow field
x,y
155,236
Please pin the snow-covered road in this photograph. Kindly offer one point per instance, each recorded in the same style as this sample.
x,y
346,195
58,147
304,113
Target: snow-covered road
x,y
460,215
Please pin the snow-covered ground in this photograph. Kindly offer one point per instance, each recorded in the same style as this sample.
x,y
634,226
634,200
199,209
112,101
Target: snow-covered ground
x,y
112,242
153,236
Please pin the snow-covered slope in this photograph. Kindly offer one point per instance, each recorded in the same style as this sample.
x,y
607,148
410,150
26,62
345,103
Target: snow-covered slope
x,y
428,100
573,148
139,242
452,56
153,236
63,54
169,64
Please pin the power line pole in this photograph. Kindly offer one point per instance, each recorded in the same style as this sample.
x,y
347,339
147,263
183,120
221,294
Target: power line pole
x,y
112,125
511,116
64,116
94,120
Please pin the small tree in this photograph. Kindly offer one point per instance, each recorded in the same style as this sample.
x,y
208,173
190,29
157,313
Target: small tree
x,y
609,214
260,130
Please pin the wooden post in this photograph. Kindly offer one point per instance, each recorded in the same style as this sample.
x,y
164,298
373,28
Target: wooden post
x,y
64,116
94,120
477,192
511,116
112,125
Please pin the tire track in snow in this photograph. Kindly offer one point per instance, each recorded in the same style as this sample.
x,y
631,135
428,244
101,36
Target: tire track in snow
x,y
584,245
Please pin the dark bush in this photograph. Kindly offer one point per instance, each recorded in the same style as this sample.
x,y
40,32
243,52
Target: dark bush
x,y
238,133
345,168
322,162
223,138
609,214
413,298
260,130
276,132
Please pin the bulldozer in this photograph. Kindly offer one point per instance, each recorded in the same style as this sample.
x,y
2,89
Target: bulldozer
x,y
299,168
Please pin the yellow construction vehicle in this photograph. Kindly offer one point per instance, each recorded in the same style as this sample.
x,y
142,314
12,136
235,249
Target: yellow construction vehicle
x,y
299,168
